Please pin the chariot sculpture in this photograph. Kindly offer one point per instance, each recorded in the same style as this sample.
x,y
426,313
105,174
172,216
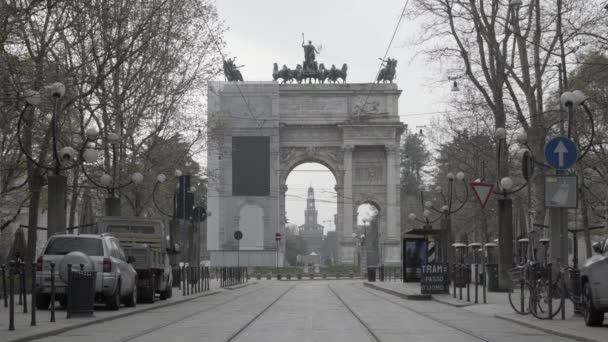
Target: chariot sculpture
x,y
309,70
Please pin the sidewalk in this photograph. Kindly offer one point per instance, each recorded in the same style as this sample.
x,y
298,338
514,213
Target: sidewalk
x,y
497,305
24,332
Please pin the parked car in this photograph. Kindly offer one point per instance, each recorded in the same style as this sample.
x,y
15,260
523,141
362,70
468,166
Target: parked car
x,y
594,277
144,239
116,279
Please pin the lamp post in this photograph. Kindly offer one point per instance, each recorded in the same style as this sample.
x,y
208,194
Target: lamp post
x,y
361,243
183,202
106,181
445,213
64,158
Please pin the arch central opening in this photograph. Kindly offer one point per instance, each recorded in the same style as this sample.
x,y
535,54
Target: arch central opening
x,y
311,209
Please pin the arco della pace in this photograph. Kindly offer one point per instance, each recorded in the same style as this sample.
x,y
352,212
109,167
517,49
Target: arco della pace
x,y
260,131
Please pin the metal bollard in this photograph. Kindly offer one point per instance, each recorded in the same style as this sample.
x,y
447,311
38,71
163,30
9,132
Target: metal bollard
x,y
460,287
454,279
550,295
182,280
52,292
67,293
24,287
11,291
4,289
476,283
20,277
33,320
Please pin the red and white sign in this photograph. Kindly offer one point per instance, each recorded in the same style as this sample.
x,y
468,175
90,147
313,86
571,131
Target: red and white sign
x,y
482,191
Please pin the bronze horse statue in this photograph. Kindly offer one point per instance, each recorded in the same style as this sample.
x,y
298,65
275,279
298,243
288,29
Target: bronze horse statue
x,y
231,71
322,74
334,73
388,72
285,73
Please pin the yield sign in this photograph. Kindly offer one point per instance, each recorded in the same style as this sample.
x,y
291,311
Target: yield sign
x,y
482,191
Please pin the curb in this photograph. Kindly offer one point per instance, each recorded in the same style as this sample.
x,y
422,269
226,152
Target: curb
x,y
456,305
107,319
240,286
399,294
546,330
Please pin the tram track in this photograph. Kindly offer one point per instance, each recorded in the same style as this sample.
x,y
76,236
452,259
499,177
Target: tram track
x,y
236,334
184,317
354,314
425,315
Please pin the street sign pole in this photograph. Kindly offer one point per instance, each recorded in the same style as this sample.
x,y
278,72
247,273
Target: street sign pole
x,y
238,235
561,154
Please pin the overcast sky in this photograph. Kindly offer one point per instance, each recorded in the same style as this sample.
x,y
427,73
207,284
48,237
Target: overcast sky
x,y
262,32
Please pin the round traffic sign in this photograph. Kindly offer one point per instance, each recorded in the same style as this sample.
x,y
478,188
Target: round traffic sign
x,y
277,237
561,153
238,235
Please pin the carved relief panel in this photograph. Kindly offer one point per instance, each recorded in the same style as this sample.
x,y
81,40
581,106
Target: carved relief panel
x,y
369,165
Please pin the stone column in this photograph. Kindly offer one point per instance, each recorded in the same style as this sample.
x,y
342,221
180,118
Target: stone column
x,y
347,244
390,240
347,198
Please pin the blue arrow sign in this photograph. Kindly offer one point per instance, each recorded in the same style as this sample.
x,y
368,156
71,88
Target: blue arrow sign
x,y
561,153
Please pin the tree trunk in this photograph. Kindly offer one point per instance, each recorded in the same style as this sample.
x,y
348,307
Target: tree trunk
x,y
74,198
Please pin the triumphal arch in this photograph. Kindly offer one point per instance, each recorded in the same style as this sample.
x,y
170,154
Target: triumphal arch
x,y
260,131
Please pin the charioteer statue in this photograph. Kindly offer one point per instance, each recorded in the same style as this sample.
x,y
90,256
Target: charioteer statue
x,y
309,69
231,71
310,53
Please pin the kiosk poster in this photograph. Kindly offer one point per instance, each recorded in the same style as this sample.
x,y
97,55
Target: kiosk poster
x,y
434,278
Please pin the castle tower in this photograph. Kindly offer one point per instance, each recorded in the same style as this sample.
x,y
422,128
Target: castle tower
x,y
311,232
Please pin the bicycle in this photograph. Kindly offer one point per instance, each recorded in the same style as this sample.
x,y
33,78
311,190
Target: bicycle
x,y
551,295
525,280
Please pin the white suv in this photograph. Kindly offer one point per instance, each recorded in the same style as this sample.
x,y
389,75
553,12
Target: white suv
x,y
115,277
594,277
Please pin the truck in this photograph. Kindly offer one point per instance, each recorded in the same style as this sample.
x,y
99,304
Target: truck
x,y
145,242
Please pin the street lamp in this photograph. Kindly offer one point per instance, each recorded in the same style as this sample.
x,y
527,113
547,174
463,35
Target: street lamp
x,y
63,158
445,212
106,181
183,202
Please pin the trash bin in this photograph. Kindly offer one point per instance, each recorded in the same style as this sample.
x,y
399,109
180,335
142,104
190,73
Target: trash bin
x,y
492,277
371,274
177,277
81,293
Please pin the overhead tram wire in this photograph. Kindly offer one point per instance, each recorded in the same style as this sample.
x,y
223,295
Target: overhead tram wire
x,y
219,50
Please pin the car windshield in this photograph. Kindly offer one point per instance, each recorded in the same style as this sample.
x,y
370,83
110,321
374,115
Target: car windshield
x,y
65,245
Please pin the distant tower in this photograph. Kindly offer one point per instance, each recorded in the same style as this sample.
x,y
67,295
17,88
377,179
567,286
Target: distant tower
x,y
311,232
310,214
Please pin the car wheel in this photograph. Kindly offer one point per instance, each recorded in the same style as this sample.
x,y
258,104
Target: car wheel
x,y
131,300
42,301
593,317
113,301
